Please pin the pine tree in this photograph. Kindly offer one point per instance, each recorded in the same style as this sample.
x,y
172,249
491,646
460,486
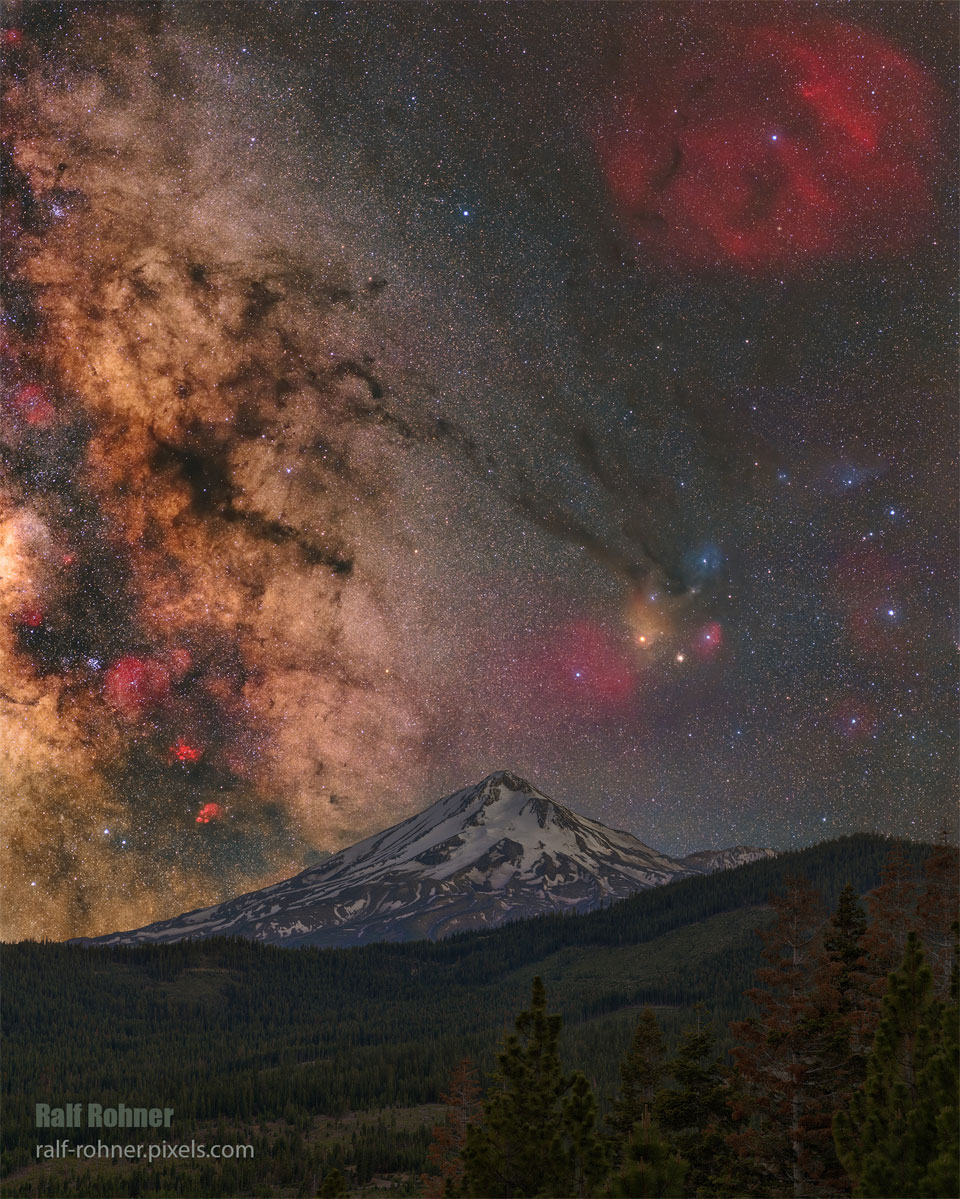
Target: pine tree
x,y
855,974
650,1168
936,912
538,1133
694,1115
333,1186
831,1035
939,1111
586,1156
892,908
641,1072
884,1138
843,944
780,1051
445,1153
937,1118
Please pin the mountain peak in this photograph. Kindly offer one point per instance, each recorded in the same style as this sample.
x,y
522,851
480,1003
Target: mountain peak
x,y
505,780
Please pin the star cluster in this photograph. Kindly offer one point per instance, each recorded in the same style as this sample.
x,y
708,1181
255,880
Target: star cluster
x,y
392,394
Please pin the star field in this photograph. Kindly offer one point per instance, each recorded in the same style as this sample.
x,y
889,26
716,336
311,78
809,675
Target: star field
x,y
392,394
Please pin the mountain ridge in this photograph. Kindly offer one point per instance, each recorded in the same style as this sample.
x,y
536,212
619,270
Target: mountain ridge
x,y
709,860
482,856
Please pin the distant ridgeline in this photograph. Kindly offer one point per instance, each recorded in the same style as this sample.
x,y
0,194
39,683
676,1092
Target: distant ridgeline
x,y
233,1035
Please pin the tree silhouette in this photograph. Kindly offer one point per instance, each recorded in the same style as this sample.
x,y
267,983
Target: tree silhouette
x,y
538,1134
650,1168
445,1153
777,1056
641,1072
887,1138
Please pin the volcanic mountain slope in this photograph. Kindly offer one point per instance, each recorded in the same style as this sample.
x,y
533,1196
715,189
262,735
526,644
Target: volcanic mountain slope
x,y
706,861
494,852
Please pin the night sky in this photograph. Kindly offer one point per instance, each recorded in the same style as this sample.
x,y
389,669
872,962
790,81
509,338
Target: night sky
x,y
394,394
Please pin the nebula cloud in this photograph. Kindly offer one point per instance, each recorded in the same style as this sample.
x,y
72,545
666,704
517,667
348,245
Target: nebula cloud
x,y
765,144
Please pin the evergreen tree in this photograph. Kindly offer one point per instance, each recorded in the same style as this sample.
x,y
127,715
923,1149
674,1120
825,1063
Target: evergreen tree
x,y
886,1138
831,1036
892,908
936,912
937,1118
939,1111
538,1133
445,1153
780,1056
650,1168
694,1115
641,1072
333,1186
586,1155
843,946
853,974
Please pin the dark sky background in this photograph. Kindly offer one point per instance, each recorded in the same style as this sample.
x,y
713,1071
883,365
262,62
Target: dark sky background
x,y
393,394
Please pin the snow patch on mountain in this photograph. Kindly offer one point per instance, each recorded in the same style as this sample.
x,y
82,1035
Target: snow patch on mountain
x,y
706,861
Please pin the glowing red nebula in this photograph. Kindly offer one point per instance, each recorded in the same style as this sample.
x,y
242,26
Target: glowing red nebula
x,y
772,145
135,685
30,617
585,668
869,586
209,812
183,751
709,641
32,403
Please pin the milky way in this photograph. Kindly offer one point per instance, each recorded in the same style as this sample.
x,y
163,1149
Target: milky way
x,y
395,394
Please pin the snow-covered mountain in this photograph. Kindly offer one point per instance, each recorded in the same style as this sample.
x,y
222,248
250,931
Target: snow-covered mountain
x,y
499,851
706,861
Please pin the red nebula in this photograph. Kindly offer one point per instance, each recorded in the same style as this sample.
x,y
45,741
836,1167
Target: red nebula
x,y
183,751
869,584
32,403
30,617
583,668
135,685
709,641
768,145
209,811
12,38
